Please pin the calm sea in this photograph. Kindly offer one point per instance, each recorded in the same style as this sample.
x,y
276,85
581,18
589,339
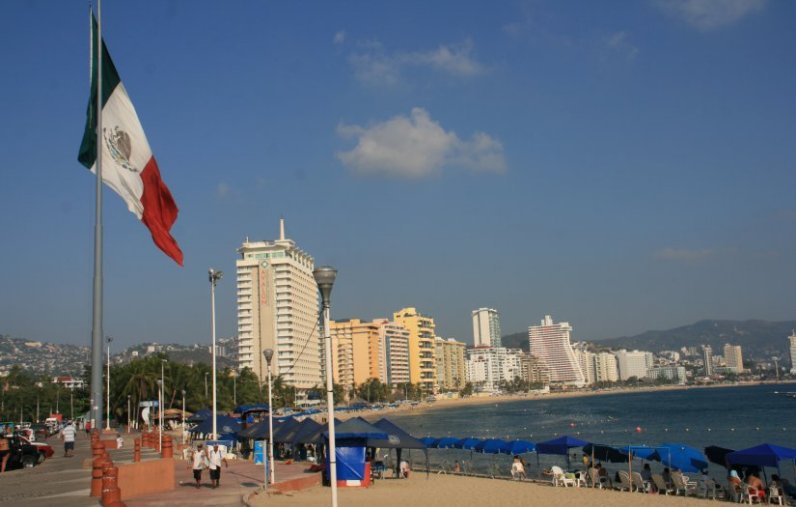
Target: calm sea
x,y
733,417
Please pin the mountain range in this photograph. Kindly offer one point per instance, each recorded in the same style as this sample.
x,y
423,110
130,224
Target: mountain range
x,y
759,339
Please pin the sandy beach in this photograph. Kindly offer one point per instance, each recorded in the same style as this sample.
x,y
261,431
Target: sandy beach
x,y
456,490
445,403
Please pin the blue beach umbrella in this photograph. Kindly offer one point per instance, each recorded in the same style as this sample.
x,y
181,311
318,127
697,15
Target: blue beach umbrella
x,y
430,441
518,447
491,446
768,455
448,443
681,457
639,451
467,443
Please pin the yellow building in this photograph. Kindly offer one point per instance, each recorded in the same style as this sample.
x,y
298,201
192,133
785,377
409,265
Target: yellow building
x,y
451,369
422,362
358,352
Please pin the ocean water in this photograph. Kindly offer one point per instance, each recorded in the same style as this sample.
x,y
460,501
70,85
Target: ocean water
x,y
733,417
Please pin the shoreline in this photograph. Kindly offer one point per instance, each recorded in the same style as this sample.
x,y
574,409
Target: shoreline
x,y
451,403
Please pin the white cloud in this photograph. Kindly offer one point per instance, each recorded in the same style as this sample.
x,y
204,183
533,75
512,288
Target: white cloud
x,y
619,42
710,14
373,65
339,38
416,146
684,254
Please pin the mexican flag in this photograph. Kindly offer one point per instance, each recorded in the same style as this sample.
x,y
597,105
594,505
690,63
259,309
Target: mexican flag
x,y
128,166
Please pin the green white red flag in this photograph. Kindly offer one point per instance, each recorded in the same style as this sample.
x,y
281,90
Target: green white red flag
x,y
128,166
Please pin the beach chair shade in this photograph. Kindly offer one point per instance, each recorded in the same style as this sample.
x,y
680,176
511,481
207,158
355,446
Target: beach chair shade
x,y
717,455
448,443
430,441
468,444
492,446
397,438
605,453
762,455
639,451
560,445
225,425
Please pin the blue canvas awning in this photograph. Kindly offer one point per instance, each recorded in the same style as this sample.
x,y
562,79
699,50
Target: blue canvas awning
x,y
763,455
227,427
492,446
357,429
602,452
396,437
448,443
518,447
255,407
467,443
681,457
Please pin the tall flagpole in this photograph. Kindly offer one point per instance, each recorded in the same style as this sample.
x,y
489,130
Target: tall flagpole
x,y
96,329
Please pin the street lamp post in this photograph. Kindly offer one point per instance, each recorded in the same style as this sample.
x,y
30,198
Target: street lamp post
x,y
214,276
129,420
183,416
206,374
324,277
161,398
269,354
160,412
235,388
108,339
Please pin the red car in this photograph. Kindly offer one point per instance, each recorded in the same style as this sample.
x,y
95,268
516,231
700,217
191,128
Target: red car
x,y
45,449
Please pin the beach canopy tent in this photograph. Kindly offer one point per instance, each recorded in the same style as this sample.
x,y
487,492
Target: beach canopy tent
x,y
680,457
200,415
763,455
639,451
396,437
516,447
316,436
718,455
601,452
227,427
254,407
560,445
286,431
448,443
307,428
351,438
467,443
260,430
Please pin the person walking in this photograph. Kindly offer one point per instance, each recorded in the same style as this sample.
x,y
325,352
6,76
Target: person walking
x,y
198,464
215,457
68,436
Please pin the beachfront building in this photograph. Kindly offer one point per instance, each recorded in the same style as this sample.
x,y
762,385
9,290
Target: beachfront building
x,y
451,369
605,367
486,328
673,373
707,360
792,349
733,358
533,370
487,367
633,363
586,361
358,352
396,350
277,301
549,341
422,363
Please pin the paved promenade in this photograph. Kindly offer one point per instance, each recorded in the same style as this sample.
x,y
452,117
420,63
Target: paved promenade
x,y
64,482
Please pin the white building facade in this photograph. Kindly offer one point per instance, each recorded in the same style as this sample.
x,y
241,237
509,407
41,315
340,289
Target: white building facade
x,y
486,367
277,300
486,328
550,342
633,363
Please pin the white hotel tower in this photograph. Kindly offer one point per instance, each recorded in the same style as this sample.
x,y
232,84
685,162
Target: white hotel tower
x,y
278,309
550,343
486,328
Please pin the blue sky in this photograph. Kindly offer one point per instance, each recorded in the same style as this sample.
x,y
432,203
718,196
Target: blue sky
x,y
620,165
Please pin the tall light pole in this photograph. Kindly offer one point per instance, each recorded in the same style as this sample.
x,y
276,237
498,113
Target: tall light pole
x,y
108,339
183,416
72,404
160,411
162,397
214,276
269,354
324,277
206,374
128,414
234,388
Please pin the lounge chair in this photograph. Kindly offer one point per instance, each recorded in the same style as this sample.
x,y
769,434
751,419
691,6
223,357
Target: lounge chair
x,y
660,484
776,495
638,482
681,483
598,481
560,478
710,489
749,494
625,484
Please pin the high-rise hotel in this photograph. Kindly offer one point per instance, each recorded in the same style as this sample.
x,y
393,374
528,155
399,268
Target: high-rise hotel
x,y
422,349
278,309
486,328
549,342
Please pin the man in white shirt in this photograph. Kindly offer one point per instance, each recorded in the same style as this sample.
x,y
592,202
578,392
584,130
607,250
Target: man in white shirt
x,y
68,436
214,457
198,464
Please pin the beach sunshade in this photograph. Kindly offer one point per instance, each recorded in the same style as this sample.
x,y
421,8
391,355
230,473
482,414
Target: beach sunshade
x,y
639,451
429,441
285,430
467,443
396,437
256,407
718,455
448,443
493,446
200,415
560,445
518,447
763,455
357,429
225,425
308,427
260,430
605,453
681,457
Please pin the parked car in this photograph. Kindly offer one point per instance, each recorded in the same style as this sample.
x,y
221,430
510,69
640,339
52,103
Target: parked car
x,y
45,450
41,430
22,455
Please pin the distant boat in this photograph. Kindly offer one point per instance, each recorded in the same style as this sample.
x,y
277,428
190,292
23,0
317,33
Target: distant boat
x,y
789,394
